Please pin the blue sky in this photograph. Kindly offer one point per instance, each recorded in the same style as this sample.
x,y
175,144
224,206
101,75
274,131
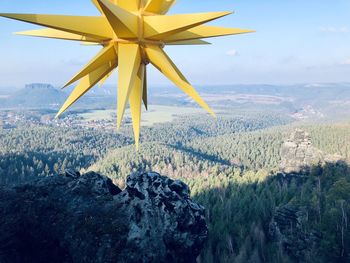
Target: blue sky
x,y
297,41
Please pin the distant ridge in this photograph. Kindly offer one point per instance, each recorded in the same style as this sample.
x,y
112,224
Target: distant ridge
x,y
36,95
39,86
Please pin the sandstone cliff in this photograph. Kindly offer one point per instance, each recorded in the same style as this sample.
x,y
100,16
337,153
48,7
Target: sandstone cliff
x,y
298,154
73,218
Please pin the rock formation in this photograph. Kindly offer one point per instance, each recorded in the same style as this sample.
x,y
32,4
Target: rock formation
x,y
298,154
73,218
287,228
37,96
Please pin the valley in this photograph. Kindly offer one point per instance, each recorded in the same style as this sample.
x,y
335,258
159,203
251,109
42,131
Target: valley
x,y
255,211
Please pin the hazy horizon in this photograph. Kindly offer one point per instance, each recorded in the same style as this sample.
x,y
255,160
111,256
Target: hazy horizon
x,y
170,85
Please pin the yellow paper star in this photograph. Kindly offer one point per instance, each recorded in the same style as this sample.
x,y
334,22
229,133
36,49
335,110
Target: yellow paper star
x,y
133,34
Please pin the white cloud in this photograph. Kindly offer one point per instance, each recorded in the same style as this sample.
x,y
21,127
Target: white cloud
x,y
232,52
331,29
345,62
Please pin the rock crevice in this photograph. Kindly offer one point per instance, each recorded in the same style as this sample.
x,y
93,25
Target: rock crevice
x,y
74,218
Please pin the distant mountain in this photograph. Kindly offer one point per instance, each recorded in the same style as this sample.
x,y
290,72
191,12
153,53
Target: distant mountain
x,y
304,92
302,101
36,95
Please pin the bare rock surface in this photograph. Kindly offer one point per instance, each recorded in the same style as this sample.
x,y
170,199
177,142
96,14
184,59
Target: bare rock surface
x,y
288,229
298,154
73,218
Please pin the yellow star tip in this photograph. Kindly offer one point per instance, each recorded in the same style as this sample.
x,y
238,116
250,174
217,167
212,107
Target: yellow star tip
x,y
225,13
119,125
21,33
131,36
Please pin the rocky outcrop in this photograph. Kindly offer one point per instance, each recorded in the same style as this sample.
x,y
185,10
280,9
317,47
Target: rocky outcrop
x,y
73,218
288,229
37,96
298,154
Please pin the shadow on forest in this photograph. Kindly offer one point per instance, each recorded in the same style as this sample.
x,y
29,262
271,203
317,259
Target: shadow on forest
x,y
294,217
200,155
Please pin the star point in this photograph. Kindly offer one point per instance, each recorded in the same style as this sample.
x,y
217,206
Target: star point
x,y
132,33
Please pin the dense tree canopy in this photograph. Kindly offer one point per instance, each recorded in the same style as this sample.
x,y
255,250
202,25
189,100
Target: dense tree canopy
x,y
231,166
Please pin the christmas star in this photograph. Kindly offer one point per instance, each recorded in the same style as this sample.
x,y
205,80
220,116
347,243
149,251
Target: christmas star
x,y
132,33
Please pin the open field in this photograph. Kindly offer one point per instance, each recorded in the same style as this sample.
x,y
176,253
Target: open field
x,y
155,114
98,115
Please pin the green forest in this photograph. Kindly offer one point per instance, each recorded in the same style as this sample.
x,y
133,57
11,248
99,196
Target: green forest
x,y
255,213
